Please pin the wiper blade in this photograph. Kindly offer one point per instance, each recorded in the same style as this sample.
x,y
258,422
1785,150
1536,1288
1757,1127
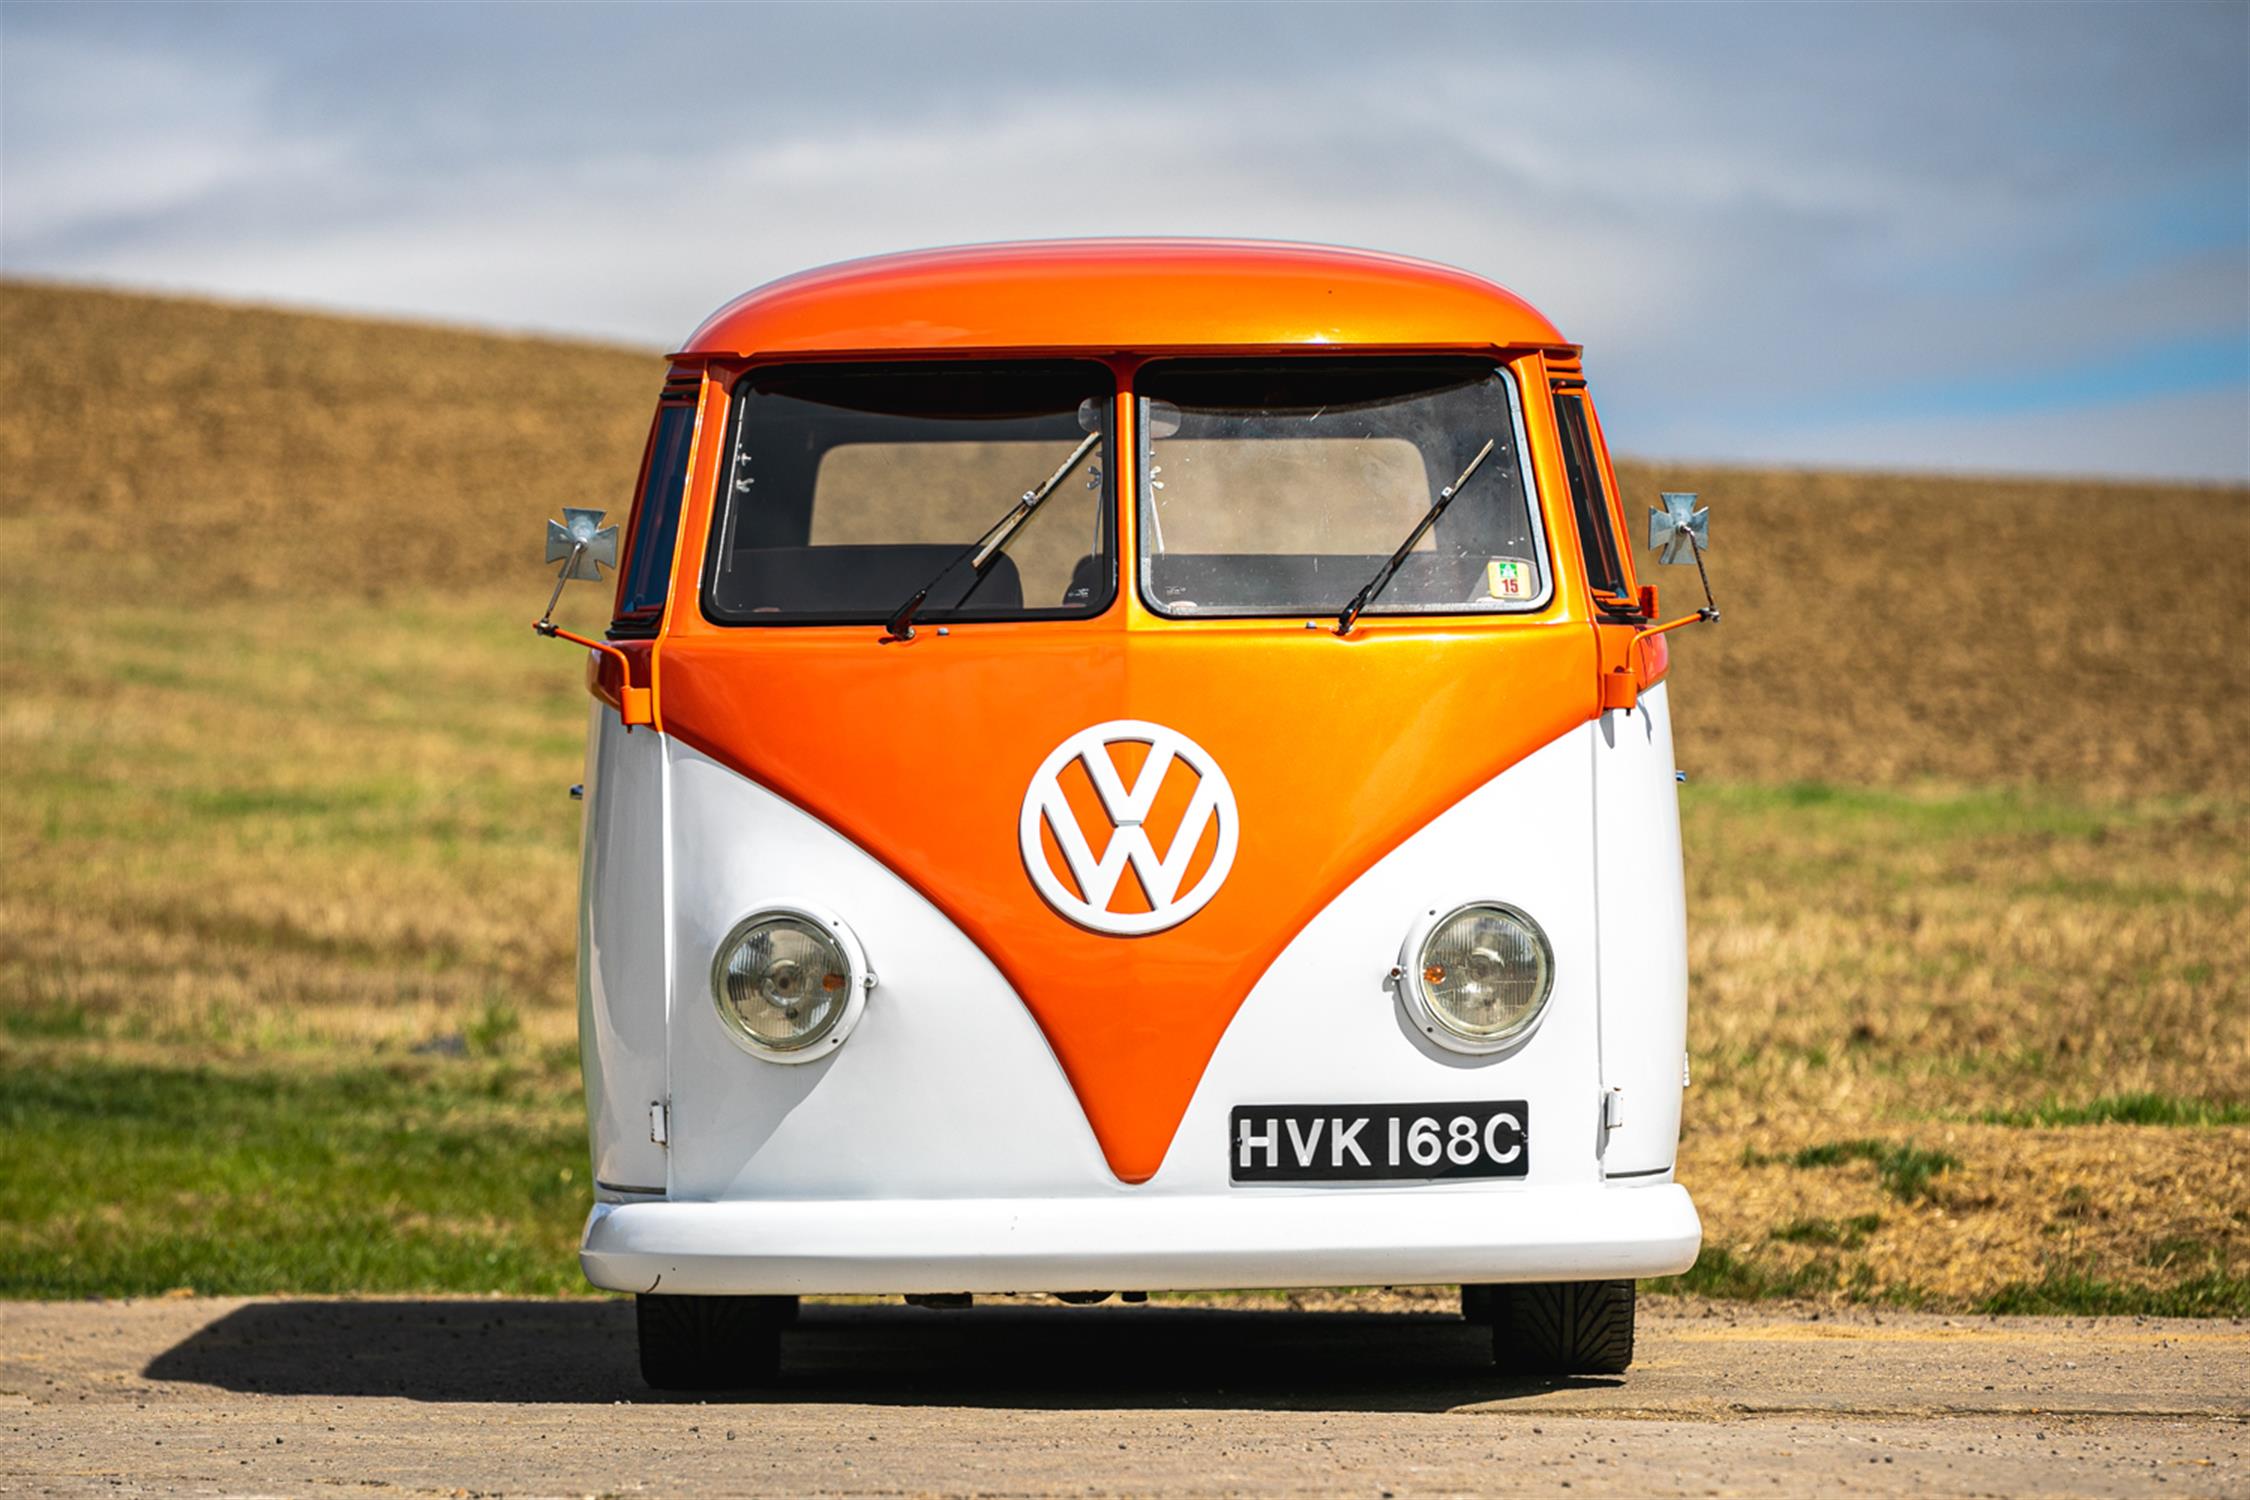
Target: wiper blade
x,y
980,553
1375,585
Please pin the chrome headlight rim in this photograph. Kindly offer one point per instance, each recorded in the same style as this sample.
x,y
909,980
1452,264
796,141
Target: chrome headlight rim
x,y
859,980
1432,1024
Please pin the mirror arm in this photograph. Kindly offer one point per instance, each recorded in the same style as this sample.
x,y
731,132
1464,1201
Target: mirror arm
x,y
555,598
635,704
1697,618
1709,612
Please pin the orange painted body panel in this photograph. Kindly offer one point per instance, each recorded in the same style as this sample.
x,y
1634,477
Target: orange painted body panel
x,y
1653,660
1337,749
1120,295
606,673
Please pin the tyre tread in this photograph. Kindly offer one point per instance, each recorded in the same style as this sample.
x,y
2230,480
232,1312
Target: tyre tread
x,y
1563,1327
697,1343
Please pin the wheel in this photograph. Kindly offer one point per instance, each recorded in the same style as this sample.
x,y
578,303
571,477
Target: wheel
x,y
693,1343
1560,1327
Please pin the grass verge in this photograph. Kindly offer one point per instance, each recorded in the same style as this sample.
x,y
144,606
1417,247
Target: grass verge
x,y
1848,1234
2213,1294
1720,1272
1906,1171
426,1176
2124,1109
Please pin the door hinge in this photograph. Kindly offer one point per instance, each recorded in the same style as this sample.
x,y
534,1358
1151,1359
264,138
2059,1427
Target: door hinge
x,y
1613,1110
659,1122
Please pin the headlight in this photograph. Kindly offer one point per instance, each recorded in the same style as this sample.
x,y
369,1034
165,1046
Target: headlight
x,y
1475,979
789,984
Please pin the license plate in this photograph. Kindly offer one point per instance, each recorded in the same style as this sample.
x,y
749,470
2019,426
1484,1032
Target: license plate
x,y
1378,1142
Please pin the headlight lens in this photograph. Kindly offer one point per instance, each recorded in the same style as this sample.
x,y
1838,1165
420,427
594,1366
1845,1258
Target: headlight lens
x,y
1484,973
783,982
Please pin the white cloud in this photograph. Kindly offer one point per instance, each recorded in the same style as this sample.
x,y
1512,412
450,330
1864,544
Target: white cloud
x,y
117,134
1728,242
2202,435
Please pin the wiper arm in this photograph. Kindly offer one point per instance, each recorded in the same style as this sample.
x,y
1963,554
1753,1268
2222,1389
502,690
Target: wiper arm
x,y
980,553
1616,609
1375,585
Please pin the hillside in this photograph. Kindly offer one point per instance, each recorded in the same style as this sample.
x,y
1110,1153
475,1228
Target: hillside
x,y
286,868
1878,628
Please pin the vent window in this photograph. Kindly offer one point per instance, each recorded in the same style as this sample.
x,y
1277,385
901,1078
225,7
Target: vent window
x,y
1597,536
656,517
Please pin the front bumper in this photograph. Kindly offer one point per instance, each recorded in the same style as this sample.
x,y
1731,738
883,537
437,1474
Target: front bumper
x,y
1350,1237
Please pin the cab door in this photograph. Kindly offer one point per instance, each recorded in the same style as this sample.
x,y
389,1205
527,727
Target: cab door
x,y
623,911
1640,907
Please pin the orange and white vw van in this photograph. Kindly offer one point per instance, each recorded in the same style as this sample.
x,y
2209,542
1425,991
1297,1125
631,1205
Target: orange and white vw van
x,y
1125,766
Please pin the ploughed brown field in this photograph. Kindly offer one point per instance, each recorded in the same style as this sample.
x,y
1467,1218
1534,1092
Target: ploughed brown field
x,y
287,872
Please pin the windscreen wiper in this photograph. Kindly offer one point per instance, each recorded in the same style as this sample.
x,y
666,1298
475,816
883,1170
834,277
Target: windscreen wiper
x,y
1616,609
980,553
1375,585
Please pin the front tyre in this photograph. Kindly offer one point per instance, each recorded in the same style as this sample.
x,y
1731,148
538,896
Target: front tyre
x,y
1557,1328
695,1343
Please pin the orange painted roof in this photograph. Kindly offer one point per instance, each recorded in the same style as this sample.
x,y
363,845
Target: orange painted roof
x,y
1122,294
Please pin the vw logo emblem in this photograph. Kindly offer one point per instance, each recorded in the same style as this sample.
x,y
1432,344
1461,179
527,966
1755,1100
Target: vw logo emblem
x,y
1172,758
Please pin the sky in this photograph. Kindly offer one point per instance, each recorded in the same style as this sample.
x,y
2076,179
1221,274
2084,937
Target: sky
x,y
1986,237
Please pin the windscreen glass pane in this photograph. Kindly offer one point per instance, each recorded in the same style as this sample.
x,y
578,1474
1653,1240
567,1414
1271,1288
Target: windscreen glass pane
x,y
1282,486
850,487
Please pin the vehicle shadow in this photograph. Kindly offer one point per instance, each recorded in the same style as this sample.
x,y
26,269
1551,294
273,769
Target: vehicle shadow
x,y
1035,1357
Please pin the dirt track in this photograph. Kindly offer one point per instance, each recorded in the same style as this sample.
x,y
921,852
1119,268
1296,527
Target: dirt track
x,y
226,1396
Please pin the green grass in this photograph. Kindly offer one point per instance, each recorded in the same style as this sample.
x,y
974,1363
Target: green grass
x,y
50,1019
2213,1294
2183,1250
1848,1235
494,1028
1719,1272
2125,1109
435,1176
1909,815
1907,1172
379,870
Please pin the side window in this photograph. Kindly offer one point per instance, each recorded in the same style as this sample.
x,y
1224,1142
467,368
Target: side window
x,y
656,517
1596,536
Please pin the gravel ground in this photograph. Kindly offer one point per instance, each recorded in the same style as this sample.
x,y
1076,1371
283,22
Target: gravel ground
x,y
225,1396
